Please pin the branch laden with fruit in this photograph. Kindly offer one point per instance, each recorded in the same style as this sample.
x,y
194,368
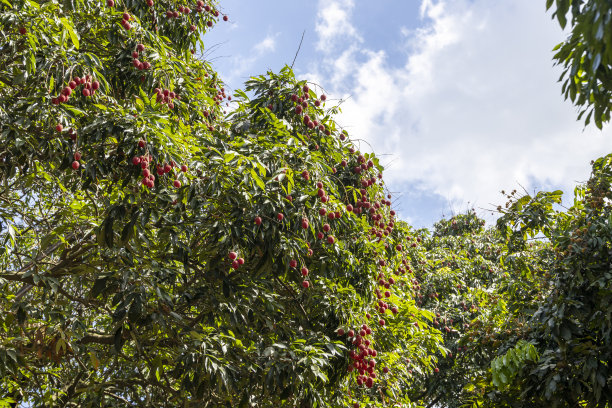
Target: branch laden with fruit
x,y
174,254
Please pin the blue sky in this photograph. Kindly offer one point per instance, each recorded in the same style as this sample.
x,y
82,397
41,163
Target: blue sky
x,y
458,97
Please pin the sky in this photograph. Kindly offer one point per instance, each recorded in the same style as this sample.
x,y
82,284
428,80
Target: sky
x,y
459,98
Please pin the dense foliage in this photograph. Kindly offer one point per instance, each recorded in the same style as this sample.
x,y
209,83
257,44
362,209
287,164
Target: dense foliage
x,y
164,243
157,251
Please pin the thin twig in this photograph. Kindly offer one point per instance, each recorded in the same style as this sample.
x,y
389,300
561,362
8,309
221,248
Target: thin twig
x,y
298,50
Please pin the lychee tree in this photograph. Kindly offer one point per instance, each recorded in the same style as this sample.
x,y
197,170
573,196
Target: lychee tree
x,y
570,326
586,56
157,251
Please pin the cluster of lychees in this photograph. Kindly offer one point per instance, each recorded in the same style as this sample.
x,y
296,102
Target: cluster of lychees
x,y
301,105
148,178
363,358
125,22
236,262
136,62
165,96
199,8
89,88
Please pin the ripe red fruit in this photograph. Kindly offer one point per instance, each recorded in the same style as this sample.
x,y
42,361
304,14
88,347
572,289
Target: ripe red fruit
x,y
349,208
240,261
110,3
235,265
305,284
298,109
86,92
225,18
177,184
320,235
135,160
126,16
59,127
331,239
141,143
77,156
305,223
192,28
306,175
323,97
381,322
292,263
72,84
232,255
135,54
258,220
326,227
75,164
280,216
436,370
304,271
209,23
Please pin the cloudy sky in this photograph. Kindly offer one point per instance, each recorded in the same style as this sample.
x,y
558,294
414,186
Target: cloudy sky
x,y
459,98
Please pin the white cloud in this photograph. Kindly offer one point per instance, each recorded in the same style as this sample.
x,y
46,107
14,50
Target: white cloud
x,y
333,24
473,109
266,45
243,64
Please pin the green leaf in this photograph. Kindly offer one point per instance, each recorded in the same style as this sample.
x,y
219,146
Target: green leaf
x,y
70,28
258,180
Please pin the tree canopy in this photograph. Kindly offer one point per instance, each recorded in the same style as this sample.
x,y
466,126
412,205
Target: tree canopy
x,y
165,243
